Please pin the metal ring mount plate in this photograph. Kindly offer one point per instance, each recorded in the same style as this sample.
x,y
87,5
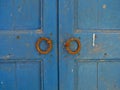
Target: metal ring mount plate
x,y
67,46
49,42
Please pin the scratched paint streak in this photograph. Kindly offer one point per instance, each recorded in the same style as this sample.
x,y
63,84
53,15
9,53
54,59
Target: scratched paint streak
x,y
94,36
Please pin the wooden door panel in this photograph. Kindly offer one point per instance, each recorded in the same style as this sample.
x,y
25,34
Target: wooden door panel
x,y
108,76
6,14
95,24
86,14
109,14
21,75
22,24
7,76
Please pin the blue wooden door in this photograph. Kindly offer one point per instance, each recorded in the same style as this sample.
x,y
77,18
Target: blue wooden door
x,y
89,37
28,59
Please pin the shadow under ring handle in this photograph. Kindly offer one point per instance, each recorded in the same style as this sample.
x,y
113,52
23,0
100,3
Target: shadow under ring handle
x,y
49,42
67,46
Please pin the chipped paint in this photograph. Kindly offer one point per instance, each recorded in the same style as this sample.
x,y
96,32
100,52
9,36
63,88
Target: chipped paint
x,y
72,70
1,82
39,31
11,14
102,60
6,57
104,6
19,9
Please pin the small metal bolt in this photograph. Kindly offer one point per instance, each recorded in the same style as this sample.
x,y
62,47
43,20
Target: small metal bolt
x,y
18,37
105,54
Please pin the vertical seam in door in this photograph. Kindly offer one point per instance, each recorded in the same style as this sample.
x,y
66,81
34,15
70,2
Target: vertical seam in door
x,y
98,14
13,15
58,41
42,75
41,12
16,82
76,15
42,25
97,75
76,74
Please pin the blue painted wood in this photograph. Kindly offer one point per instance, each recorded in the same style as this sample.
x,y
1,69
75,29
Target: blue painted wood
x,y
7,76
22,23
97,14
21,75
19,14
27,14
96,24
109,76
29,76
87,76
14,41
109,14
6,14
86,13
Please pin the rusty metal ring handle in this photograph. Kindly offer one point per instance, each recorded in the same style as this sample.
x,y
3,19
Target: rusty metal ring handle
x,y
49,42
67,46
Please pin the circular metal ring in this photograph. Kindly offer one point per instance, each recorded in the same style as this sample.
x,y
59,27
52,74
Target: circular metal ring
x,y
67,45
49,42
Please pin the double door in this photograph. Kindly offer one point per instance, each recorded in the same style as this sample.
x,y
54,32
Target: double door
x,y
59,45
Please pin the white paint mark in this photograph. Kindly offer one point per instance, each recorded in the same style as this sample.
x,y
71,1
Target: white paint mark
x,y
11,14
72,70
11,48
1,82
94,36
104,6
6,57
39,31
102,60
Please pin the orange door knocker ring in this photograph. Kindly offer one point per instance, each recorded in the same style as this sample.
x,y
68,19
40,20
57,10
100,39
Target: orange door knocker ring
x,y
49,42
